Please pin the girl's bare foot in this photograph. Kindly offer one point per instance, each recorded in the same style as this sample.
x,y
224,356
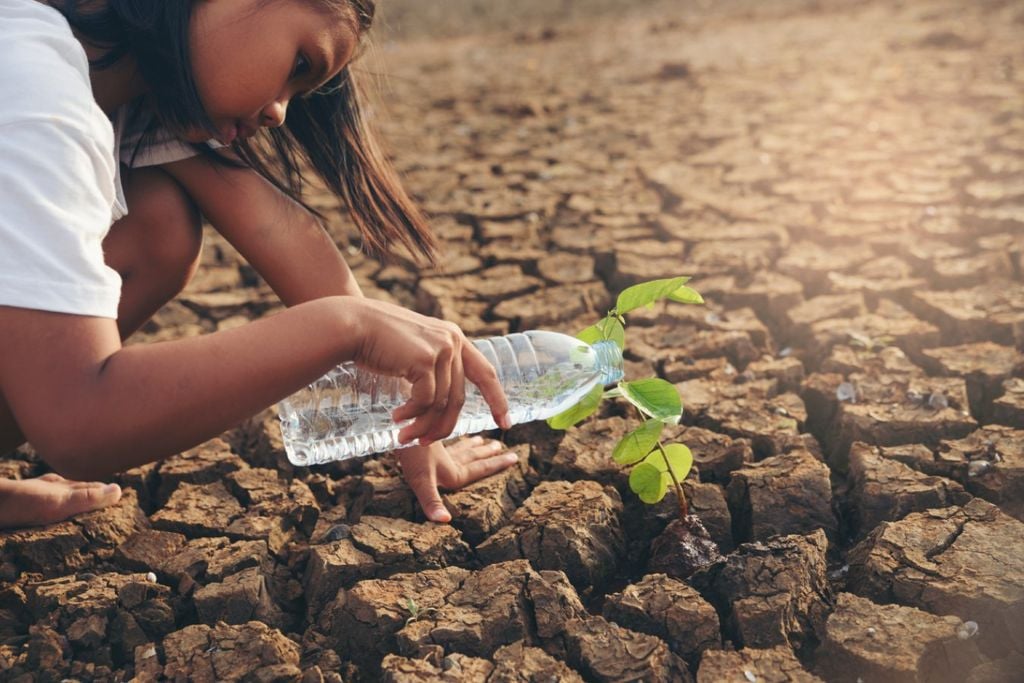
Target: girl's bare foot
x,y
51,498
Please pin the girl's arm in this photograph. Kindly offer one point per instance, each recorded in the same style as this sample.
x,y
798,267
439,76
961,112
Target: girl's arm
x,y
280,239
294,254
91,407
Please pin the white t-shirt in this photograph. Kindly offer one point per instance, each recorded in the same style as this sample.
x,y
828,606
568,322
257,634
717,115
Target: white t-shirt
x,y
60,183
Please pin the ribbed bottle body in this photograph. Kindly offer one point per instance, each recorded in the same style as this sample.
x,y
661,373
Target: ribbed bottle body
x,y
347,412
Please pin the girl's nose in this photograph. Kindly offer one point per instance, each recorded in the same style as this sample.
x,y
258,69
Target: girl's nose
x,y
274,114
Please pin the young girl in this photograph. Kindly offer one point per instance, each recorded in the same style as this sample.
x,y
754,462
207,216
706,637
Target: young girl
x,y
121,123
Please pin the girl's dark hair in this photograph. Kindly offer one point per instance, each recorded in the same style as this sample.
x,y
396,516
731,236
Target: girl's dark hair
x,y
326,132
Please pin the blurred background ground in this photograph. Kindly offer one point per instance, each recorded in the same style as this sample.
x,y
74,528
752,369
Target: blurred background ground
x,y
412,19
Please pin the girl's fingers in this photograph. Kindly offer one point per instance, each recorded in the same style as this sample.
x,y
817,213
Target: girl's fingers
x,y
456,399
437,361
480,466
442,424
471,447
483,375
51,476
422,479
422,409
421,397
414,430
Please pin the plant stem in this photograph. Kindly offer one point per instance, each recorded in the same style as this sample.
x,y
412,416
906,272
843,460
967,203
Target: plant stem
x,y
683,508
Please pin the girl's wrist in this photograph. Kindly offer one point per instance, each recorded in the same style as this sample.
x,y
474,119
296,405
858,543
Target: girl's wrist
x,y
349,315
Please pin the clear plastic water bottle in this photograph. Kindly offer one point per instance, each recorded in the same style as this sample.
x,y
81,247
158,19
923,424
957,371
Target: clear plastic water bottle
x,y
347,412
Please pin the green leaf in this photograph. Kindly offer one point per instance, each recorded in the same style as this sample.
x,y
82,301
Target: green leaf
x,y
590,334
582,410
685,295
635,446
614,392
608,327
646,293
679,458
654,397
616,331
646,481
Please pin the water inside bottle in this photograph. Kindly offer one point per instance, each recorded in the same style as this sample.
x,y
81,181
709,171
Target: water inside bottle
x,y
348,414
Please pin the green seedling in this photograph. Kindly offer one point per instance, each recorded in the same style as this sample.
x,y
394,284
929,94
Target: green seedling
x,y
656,465
415,611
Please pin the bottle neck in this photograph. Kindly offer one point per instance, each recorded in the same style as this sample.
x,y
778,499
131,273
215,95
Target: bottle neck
x,y
609,361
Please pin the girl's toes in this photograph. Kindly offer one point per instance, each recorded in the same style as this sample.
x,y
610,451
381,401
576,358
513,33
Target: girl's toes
x,y
91,496
87,484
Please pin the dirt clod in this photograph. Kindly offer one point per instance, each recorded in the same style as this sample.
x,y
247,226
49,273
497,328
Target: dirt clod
x,y
684,547
889,642
572,527
771,593
363,620
956,560
250,651
670,610
603,651
887,490
493,607
754,665
784,494
237,599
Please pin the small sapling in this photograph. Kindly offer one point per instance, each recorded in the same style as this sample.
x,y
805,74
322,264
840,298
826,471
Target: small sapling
x,y
656,465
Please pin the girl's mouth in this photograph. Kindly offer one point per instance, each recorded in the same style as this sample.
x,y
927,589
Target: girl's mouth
x,y
228,134
246,131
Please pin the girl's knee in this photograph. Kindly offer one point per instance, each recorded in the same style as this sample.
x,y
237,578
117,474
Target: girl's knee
x,y
165,222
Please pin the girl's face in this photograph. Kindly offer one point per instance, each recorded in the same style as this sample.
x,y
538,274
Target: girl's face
x,y
251,57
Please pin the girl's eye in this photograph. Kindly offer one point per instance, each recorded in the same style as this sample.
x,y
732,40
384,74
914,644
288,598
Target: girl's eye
x,y
302,66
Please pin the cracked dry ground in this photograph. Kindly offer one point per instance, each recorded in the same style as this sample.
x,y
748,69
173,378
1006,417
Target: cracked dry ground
x,y
846,185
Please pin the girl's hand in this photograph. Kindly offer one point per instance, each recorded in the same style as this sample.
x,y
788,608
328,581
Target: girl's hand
x,y
435,357
450,466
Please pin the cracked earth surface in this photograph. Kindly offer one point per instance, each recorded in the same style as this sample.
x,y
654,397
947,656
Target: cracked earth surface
x,y
845,183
